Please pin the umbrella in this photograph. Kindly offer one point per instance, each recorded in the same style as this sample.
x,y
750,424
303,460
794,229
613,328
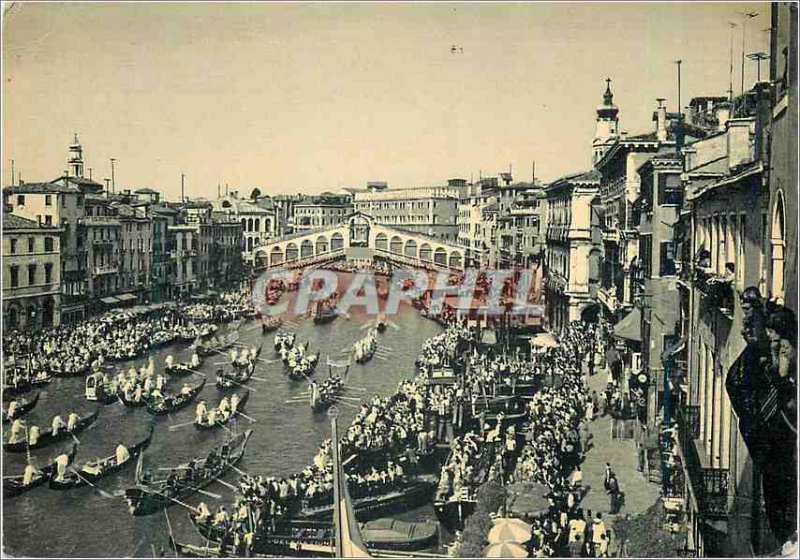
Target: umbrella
x,y
505,550
507,529
544,340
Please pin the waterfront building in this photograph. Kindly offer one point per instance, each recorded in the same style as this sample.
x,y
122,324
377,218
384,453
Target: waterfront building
x,y
258,222
320,211
431,211
136,246
226,249
31,273
573,248
163,255
102,238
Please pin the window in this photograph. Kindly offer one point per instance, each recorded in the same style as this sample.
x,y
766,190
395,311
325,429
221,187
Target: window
x,y
669,189
14,270
48,220
31,242
667,259
20,200
48,273
31,274
48,244
48,200
13,246
63,200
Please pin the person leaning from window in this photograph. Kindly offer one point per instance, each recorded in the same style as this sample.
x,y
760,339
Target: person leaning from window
x,y
781,329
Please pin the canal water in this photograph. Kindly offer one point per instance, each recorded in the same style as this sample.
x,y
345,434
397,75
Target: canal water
x,y
286,435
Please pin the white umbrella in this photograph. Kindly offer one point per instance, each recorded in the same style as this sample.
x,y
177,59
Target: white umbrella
x,y
507,529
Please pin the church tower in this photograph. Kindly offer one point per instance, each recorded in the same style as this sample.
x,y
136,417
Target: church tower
x,y
76,159
607,129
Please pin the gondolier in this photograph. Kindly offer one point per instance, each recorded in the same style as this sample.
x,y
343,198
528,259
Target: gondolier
x,y
122,454
57,424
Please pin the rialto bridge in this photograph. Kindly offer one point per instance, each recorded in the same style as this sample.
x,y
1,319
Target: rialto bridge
x,y
360,240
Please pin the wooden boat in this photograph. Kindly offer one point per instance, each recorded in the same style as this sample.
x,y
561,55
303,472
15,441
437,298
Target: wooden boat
x,y
12,485
46,436
325,395
95,470
183,368
316,538
131,403
223,343
453,514
234,378
417,492
41,380
59,371
324,313
150,497
22,409
96,391
283,341
271,324
298,371
364,349
243,396
173,403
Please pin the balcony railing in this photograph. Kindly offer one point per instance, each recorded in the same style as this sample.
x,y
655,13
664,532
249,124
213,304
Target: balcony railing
x,y
105,269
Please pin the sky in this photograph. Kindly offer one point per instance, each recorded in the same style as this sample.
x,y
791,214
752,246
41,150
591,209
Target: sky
x,y
308,97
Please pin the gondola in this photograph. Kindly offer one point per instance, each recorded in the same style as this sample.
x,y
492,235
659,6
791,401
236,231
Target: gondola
x,y
243,396
211,347
183,368
22,409
364,349
326,394
12,485
150,497
235,378
324,314
41,380
173,403
419,491
95,390
58,371
93,471
298,372
131,403
46,436
271,324
283,341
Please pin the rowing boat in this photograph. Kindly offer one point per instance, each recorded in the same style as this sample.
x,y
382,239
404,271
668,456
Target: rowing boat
x,y
243,396
21,410
235,378
46,436
93,471
13,486
173,403
149,497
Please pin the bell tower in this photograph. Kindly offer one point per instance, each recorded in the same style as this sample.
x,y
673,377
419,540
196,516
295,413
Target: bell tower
x,y
76,158
607,128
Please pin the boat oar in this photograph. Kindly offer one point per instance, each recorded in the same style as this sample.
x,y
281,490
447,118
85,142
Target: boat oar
x,y
348,398
75,438
227,484
237,470
100,490
242,414
209,494
181,425
171,537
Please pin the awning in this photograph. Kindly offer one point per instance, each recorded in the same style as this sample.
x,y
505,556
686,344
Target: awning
x,y
544,340
489,337
630,327
126,297
673,349
109,300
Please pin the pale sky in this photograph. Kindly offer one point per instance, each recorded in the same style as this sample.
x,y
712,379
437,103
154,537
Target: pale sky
x,y
311,97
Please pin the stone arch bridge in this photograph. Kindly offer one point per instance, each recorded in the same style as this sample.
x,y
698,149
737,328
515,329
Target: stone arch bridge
x,y
360,240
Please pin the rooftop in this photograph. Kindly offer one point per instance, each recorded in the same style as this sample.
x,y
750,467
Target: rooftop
x,y
12,222
41,188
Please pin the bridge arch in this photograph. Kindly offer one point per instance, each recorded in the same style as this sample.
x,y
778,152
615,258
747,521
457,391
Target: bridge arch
x,y
381,242
410,248
291,252
456,260
440,256
276,256
322,244
306,249
396,245
337,241
425,252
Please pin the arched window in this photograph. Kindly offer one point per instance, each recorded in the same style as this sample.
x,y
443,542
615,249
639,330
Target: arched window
x,y
249,224
381,242
306,249
337,241
425,252
440,256
244,224
411,248
455,259
257,225
276,256
778,242
396,245
322,245
249,244
291,252
13,317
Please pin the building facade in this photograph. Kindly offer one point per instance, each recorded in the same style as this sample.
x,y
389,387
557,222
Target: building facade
x,y
31,274
258,223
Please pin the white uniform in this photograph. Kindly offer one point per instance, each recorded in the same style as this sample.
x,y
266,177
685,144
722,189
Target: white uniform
x,y
30,474
122,454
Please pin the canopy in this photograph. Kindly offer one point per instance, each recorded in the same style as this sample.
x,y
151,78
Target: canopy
x,y
508,529
126,297
630,327
527,498
109,300
489,337
544,340
505,550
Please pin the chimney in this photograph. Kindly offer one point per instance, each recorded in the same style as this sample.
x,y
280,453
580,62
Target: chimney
x,y
723,114
661,120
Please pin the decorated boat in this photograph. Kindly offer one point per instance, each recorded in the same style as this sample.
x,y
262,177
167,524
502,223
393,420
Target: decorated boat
x,y
381,323
47,437
325,394
173,403
299,365
97,390
14,485
18,409
364,349
325,311
150,496
270,324
220,419
92,471
284,342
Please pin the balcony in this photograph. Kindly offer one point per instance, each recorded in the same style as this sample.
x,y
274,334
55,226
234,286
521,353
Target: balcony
x,y
709,485
611,235
105,269
717,291
102,242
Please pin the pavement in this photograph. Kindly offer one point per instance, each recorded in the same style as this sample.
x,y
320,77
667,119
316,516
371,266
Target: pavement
x,y
639,494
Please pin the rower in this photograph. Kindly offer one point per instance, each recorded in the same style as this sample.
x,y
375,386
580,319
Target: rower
x,y
203,512
234,402
58,423
12,409
234,354
195,360
62,461
212,416
169,361
186,389
122,453
72,421
160,382
200,412
17,428
224,407
33,435
30,474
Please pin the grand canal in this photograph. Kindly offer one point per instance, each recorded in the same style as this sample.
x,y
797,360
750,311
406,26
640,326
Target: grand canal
x,y
286,435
